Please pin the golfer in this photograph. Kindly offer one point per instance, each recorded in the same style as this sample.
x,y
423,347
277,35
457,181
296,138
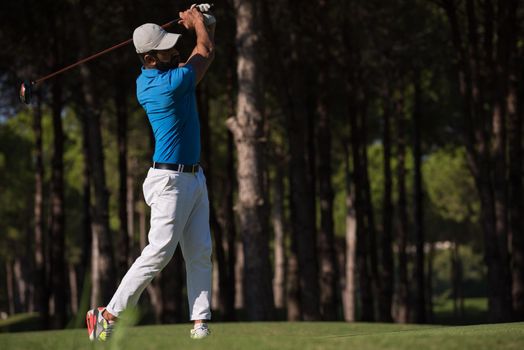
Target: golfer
x,y
175,187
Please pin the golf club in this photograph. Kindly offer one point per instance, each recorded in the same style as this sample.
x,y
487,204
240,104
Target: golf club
x,y
26,88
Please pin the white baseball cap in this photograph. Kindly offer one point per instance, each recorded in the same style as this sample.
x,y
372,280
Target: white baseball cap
x,y
151,36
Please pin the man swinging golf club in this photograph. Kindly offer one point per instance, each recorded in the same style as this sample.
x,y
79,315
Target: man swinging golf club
x,y
175,187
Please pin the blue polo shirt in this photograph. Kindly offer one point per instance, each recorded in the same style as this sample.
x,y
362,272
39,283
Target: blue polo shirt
x,y
168,97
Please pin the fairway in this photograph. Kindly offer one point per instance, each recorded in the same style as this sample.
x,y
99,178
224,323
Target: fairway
x,y
274,335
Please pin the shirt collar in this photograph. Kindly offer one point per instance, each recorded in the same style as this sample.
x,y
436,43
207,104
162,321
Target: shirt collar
x,y
150,72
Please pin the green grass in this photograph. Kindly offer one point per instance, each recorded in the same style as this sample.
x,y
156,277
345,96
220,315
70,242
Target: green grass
x,y
274,335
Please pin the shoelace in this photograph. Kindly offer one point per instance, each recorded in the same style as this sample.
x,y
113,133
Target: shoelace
x,y
202,327
110,326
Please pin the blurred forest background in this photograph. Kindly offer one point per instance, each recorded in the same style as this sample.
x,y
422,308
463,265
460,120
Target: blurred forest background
x,y
363,159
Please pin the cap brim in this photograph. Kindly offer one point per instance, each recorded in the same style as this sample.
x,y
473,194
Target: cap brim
x,y
168,41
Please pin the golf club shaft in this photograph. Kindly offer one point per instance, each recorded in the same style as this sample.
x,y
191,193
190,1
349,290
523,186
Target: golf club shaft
x,y
38,81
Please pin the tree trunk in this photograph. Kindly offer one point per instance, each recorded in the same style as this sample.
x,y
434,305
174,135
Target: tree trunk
x,y
355,97
502,271
369,216
516,193
207,156
20,286
403,286
302,205
420,299
230,227
248,131
10,286
327,258
429,284
388,265
228,209
294,307
57,229
364,275
121,122
130,208
73,288
456,278
172,290
28,269
154,289
485,132
239,276
279,279
102,259
351,242
513,104
229,185
506,45
40,281
85,260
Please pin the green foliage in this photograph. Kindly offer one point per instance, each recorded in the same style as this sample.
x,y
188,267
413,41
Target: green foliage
x,y
450,185
473,272
16,180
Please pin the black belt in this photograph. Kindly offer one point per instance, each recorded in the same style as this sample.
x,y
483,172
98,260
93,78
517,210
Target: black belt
x,y
177,167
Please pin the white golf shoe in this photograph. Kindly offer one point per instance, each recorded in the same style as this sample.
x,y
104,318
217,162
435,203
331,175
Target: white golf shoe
x,y
200,331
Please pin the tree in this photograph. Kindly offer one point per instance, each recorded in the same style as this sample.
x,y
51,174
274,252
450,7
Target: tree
x,y
403,223
57,227
388,265
41,290
102,258
326,242
356,107
483,69
420,297
247,128
515,108
349,299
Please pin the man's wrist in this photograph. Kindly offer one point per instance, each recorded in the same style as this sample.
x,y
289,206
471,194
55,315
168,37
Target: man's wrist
x,y
199,21
200,26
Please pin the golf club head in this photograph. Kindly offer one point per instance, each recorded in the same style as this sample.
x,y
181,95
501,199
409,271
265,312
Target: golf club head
x,y
26,91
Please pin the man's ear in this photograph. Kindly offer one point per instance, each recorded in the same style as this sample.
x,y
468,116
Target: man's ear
x,y
150,60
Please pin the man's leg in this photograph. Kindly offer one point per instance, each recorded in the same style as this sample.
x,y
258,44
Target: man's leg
x,y
171,203
197,248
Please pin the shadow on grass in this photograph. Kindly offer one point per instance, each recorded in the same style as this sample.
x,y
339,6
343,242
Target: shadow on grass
x,y
475,312
21,323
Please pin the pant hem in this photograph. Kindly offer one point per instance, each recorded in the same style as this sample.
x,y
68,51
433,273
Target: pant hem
x,y
112,312
206,317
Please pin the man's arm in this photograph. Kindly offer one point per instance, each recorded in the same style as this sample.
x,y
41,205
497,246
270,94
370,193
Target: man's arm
x,y
204,51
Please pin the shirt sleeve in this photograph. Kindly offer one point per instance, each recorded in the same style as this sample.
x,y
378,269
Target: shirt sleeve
x,y
182,79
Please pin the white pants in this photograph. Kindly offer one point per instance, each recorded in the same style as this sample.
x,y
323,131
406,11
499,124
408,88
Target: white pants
x,y
179,214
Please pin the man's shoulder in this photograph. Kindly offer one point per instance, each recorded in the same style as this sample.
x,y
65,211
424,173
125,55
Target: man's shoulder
x,y
182,77
181,72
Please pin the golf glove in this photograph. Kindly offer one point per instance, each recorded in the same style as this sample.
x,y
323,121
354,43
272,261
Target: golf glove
x,y
209,19
202,7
